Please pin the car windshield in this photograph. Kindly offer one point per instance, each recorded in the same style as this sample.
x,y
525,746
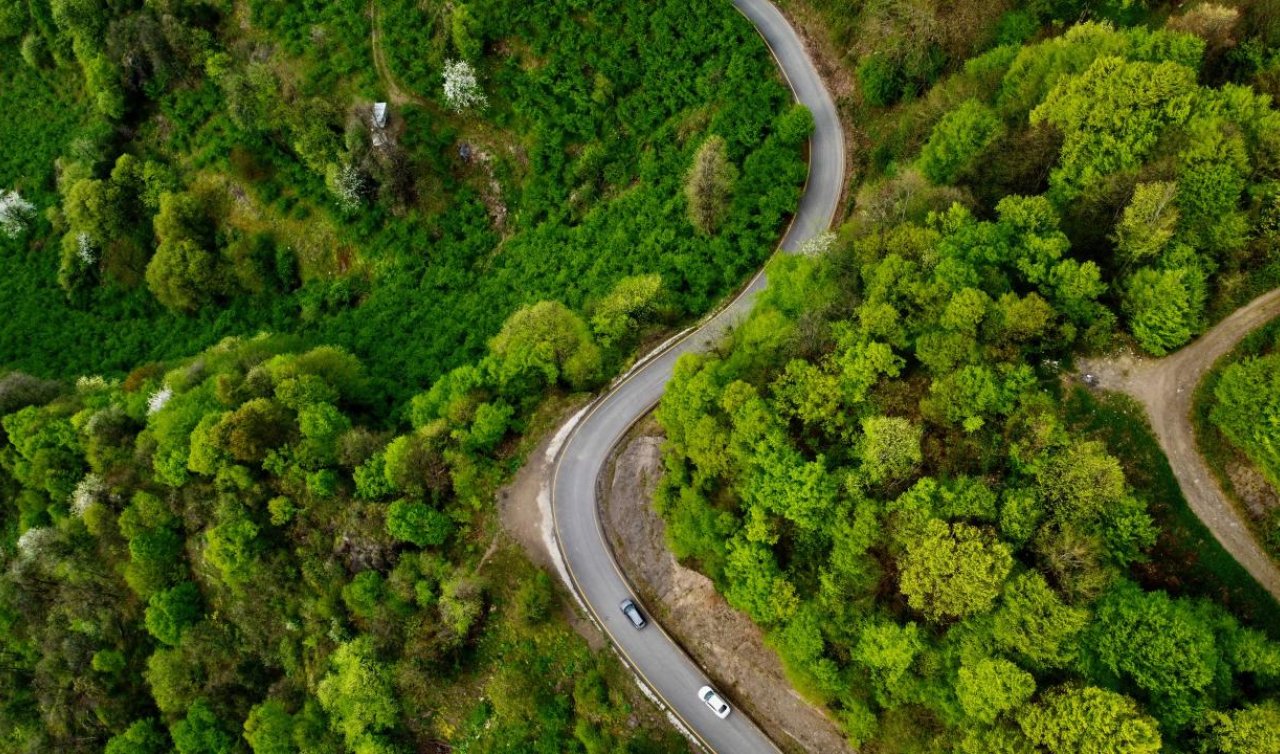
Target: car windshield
x,y
708,695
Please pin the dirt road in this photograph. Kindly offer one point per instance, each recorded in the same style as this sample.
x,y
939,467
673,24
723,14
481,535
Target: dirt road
x,y
1166,387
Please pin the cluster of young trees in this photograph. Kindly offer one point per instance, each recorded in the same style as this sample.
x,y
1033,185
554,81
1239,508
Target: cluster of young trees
x,y
230,554
297,216
876,469
1237,409
1173,178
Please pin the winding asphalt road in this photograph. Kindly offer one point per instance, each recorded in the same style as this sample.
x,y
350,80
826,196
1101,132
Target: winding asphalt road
x,y
595,575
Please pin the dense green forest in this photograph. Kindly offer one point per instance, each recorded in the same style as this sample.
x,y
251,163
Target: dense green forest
x,y
950,544
1238,426
223,540
202,169
225,555
313,345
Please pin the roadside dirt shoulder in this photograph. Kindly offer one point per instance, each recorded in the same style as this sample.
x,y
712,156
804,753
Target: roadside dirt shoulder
x,y
719,638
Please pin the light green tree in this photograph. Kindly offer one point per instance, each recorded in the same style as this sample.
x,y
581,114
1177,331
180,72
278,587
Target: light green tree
x,y
358,693
958,140
709,185
1088,720
953,570
992,687
544,344
890,448
1148,223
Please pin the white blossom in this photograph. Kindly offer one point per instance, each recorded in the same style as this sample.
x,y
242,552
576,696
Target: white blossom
x,y
158,399
348,184
85,250
34,541
14,212
461,89
90,490
91,383
818,245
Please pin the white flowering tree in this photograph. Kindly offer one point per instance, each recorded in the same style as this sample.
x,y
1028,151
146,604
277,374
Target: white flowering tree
x,y
158,399
14,213
818,245
35,542
461,88
85,250
90,490
348,184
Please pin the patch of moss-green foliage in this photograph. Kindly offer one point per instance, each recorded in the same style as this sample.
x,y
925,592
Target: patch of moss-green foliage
x,y
231,550
408,246
1234,414
881,466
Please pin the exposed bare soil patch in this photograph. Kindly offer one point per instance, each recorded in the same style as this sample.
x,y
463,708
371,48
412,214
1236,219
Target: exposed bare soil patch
x,y
723,641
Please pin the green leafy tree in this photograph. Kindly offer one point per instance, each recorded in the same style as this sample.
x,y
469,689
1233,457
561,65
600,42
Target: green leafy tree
x,y
171,612
1164,647
358,694
1081,481
461,604
365,593
1034,623
232,548
958,140
709,186
413,464
992,687
1112,116
269,729
953,570
881,80
1165,307
13,19
142,737
1212,175
201,732
424,526
1247,409
1075,720
888,652
183,276
1254,728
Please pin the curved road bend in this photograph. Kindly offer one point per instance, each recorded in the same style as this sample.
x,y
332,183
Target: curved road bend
x,y
596,576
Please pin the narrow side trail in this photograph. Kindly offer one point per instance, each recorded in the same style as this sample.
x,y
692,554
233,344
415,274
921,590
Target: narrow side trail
x,y
1166,388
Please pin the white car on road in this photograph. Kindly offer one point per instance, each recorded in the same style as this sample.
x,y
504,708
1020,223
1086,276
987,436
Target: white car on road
x,y
713,700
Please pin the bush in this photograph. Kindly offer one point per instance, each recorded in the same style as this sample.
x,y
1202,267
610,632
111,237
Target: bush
x,y
418,523
881,80
957,141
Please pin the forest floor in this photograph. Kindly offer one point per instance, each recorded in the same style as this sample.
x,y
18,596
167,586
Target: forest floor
x,y
1166,388
723,641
